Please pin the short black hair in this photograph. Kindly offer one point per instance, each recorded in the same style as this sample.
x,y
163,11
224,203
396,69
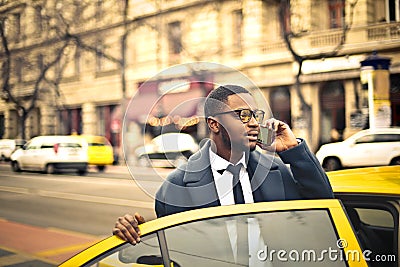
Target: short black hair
x,y
218,97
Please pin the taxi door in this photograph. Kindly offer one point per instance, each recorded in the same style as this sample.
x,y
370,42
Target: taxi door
x,y
282,233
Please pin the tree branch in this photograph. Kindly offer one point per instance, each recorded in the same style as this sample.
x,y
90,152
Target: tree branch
x,y
95,50
42,75
6,68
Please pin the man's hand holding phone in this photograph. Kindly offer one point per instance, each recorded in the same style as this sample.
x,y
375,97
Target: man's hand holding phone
x,y
276,136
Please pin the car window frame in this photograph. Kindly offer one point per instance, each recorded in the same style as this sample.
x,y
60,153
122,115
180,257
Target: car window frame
x,y
386,137
377,138
32,146
366,139
334,208
376,201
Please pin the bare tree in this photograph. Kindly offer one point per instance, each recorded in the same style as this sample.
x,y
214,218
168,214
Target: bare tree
x,y
289,36
25,105
59,19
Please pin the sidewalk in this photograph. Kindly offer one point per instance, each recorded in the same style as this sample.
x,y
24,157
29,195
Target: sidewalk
x,y
24,245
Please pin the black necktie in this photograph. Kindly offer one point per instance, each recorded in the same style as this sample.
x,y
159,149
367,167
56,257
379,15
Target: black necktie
x,y
237,187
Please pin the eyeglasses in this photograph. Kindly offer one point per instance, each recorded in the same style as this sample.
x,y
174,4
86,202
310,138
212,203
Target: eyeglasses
x,y
246,114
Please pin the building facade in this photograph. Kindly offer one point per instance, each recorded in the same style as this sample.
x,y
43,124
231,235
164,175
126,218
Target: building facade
x,y
108,48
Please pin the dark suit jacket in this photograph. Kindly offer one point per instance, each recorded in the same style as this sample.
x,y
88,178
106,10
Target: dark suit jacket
x,y
192,185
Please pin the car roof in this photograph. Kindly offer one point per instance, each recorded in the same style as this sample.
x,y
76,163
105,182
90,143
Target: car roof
x,y
383,180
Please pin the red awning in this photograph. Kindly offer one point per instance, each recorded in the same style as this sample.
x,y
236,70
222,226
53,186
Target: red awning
x,y
182,104
146,105
140,106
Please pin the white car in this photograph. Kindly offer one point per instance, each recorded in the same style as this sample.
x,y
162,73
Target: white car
x,y
372,147
51,153
167,150
8,146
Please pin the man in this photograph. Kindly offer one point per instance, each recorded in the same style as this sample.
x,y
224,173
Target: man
x,y
208,179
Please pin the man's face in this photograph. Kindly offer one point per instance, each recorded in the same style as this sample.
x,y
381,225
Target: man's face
x,y
235,134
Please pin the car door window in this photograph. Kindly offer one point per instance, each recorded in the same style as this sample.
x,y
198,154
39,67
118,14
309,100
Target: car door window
x,y
375,222
376,217
30,146
365,139
45,145
287,238
378,138
387,137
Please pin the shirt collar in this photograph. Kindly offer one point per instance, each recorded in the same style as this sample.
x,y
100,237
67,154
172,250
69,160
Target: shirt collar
x,y
219,163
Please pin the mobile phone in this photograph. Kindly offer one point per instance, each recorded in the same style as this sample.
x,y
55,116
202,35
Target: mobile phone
x,y
266,136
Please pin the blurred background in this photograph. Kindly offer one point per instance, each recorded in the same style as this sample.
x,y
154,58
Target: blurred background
x,y
328,68
71,67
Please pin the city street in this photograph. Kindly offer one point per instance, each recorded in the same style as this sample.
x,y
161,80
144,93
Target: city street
x,y
66,211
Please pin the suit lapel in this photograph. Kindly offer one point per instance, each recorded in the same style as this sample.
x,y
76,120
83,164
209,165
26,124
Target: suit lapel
x,y
199,179
265,177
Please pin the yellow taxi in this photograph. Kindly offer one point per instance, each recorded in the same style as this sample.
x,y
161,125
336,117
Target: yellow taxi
x,y
358,228
100,151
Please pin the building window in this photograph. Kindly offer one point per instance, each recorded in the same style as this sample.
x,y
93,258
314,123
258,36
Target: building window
x,y
102,117
280,105
77,61
17,26
392,10
99,56
13,27
19,63
38,20
336,13
333,120
106,115
99,10
70,121
40,62
395,98
58,66
175,37
78,9
2,126
237,29
122,5
271,31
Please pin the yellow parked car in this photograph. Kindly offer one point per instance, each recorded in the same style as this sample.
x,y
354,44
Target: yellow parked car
x,y
358,228
100,151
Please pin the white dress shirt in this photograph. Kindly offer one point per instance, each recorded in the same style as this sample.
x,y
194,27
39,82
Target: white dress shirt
x,y
223,182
